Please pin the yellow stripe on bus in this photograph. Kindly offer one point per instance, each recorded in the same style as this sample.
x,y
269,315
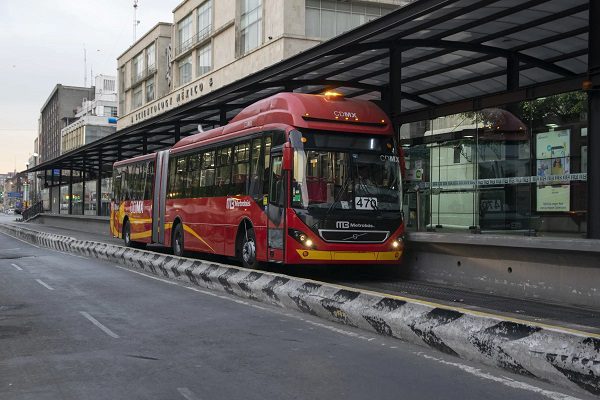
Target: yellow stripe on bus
x,y
349,255
193,233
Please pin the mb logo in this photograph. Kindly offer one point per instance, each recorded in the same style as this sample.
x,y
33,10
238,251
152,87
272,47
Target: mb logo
x,y
230,204
342,224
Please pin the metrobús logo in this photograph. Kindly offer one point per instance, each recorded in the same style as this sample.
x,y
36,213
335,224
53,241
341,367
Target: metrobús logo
x,y
233,203
348,225
344,114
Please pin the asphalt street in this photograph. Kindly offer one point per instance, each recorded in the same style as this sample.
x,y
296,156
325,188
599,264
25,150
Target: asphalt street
x,y
77,328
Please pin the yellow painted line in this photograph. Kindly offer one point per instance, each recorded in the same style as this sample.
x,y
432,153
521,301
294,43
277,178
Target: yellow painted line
x,y
194,234
467,311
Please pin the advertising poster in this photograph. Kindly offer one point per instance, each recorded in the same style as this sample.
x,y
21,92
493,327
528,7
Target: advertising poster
x,y
553,159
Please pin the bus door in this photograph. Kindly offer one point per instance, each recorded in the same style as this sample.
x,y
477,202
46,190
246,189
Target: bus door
x,y
276,209
159,197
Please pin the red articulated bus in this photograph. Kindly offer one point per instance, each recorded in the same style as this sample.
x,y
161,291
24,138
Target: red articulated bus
x,y
294,178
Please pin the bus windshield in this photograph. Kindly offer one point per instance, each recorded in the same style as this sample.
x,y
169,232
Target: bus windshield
x,y
346,180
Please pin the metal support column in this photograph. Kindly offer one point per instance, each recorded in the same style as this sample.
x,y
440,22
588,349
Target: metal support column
x,y
99,186
593,171
223,117
394,95
71,189
83,174
177,133
145,145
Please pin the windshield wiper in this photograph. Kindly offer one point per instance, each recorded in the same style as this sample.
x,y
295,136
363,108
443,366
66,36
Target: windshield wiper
x,y
335,200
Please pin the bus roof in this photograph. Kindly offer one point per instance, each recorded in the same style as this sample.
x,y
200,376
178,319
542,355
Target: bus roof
x,y
136,159
322,112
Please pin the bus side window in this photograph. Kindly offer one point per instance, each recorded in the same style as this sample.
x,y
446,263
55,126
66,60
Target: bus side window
x,y
126,183
256,169
223,172
180,173
149,181
194,171
172,175
207,174
240,169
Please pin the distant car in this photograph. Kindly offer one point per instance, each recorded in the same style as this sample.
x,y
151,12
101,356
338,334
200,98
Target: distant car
x,y
10,211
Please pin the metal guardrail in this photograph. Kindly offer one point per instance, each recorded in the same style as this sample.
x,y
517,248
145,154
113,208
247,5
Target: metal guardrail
x,y
32,211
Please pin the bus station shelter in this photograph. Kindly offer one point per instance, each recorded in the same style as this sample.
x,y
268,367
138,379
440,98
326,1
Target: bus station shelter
x,y
492,63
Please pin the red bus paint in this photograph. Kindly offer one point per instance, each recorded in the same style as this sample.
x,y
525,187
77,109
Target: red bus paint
x,y
293,178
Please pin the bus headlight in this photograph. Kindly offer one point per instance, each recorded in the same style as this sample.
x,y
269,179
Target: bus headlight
x,y
398,242
301,237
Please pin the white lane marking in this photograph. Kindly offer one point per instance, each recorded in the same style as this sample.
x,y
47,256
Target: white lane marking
x,y
187,394
20,240
17,267
500,379
99,325
14,248
44,284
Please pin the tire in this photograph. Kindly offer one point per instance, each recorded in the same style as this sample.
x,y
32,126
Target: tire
x,y
247,248
127,234
177,241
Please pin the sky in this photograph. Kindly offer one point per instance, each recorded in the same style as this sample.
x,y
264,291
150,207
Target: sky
x,y
42,44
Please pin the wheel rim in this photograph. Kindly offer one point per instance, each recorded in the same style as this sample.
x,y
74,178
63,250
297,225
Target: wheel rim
x,y
249,251
177,243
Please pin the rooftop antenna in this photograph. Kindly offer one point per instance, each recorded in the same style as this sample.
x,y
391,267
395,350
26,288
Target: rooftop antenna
x,y
84,66
135,20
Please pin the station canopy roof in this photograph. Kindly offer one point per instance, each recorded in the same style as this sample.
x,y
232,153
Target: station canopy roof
x,y
455,56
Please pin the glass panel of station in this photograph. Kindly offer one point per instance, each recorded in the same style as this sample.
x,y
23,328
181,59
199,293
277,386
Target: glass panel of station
x,y
516,169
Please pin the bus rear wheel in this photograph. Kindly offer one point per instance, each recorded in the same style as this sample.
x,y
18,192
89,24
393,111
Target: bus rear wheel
x,y
127,234
177,240
247,248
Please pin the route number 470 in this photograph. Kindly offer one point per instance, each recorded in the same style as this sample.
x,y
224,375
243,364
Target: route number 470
x,y
365,203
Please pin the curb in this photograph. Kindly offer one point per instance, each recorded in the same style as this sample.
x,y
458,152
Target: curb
x,y
563,357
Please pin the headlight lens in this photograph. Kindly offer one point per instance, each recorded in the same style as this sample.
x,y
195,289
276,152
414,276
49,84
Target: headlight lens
x,y
300,237
398,242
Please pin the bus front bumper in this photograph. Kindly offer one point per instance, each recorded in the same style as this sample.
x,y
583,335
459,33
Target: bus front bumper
x,y
360,256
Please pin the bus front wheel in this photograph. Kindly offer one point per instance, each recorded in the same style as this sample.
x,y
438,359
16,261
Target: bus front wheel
x,y
248,248
177,241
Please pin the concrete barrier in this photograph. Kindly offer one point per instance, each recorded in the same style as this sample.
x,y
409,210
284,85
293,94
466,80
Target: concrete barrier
x,y
553,269
564,357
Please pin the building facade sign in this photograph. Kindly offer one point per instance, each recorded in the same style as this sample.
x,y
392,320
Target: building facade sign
x,y
179,97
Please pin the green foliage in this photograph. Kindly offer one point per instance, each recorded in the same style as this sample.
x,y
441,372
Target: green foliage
x,y
561,108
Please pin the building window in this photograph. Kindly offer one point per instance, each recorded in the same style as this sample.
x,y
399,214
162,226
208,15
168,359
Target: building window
x,y
328,18
204,59
150,90
136,100
137,68
250,25
151,58
110,111
108,85
185,70
204,20
184,34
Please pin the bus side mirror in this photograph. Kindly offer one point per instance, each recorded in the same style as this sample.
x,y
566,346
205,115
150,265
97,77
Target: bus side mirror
x,y
288,158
